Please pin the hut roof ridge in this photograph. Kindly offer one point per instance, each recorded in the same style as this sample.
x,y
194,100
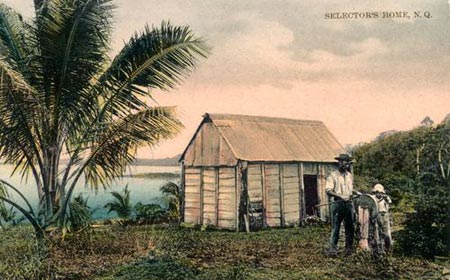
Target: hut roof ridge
x,y
264,119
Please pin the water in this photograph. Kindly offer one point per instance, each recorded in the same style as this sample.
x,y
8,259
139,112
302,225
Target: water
x,y
143,190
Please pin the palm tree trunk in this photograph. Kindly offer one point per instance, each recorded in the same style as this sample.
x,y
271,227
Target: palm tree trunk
x,y
47,179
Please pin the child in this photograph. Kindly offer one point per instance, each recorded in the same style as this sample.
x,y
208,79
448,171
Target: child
x,y
383,201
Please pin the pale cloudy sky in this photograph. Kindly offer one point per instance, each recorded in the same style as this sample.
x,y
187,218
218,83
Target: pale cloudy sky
x,y
284,59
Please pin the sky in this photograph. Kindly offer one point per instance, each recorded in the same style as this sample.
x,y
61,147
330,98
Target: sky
x,y
274,58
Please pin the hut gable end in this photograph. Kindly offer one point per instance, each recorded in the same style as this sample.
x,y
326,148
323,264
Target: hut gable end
x,y
208,148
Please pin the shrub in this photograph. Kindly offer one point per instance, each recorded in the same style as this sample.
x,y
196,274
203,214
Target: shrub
x,y
80,214
172,197
150,213
415,167
427,229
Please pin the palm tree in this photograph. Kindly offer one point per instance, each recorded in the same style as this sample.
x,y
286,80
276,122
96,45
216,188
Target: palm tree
x,y
120,204
61,97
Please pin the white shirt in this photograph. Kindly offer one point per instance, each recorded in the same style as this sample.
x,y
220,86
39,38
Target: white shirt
x,y
383,204
340,182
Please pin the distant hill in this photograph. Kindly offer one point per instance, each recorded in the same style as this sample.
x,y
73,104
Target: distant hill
x,y
171,161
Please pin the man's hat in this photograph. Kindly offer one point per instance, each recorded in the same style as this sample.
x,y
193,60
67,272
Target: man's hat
x,y
344,157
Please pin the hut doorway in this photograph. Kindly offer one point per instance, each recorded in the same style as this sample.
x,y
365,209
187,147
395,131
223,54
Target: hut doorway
x,y
311,194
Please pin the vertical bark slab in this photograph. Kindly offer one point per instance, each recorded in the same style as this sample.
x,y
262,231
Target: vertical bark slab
x,y
192,199
226,207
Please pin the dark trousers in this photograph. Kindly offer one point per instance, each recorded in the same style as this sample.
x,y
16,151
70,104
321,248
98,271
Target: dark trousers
x,y
385,225
341,210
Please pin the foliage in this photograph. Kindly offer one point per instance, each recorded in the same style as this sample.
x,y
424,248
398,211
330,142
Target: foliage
x,y
238,272
147,213
392,160
121,204
80,214
9,217
397,159
427,230
60,93
172,195
414,166
3,207
150,213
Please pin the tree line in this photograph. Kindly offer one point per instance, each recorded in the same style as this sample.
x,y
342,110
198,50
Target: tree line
x,y
414,166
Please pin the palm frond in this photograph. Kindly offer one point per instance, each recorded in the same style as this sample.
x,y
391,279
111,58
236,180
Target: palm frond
x,y
170,188
74,50
156,58
57,94
114,145
39,229
3,208
19,142
120,203
120,199
4,186
13,44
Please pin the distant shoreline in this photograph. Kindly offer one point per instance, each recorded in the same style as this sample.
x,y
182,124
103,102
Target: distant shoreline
x,y
171,161
156,175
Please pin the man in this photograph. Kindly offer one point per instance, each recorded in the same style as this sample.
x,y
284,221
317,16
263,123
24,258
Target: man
x,y
383,201
339,188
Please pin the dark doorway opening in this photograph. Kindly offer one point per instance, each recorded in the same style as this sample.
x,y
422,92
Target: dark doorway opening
x,y
311,194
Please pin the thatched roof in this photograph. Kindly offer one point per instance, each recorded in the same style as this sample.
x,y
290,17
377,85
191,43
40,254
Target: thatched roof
x,y
255,138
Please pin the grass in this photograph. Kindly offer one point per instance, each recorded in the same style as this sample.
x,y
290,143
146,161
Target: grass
x,y
146,252
274,254
20,257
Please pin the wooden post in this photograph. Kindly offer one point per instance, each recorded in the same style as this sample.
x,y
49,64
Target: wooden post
x,y
237,195
321,191
244,193
302,198
201,193
242,203
319,181
217,171
264,196
281,188
183,190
